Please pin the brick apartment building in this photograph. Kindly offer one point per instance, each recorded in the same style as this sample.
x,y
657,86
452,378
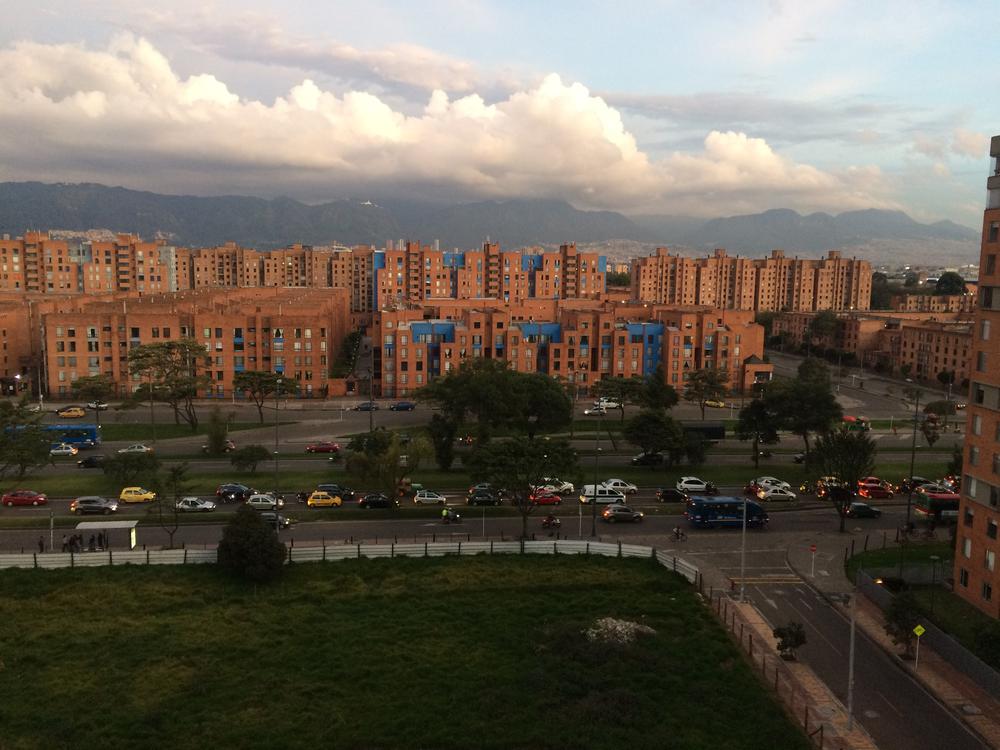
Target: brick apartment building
x,y
773,283
292,331
579,341
977,575
934,303
912,343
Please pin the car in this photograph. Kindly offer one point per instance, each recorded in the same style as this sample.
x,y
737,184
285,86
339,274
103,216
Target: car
x,y
63,449
264,501
377,500
696,486
233,492
595,411
71,412
483,497
647,459
402,406
93,504
366,406
136,495
557,485
485,487
715,403
97,405
671,495
24,497
875,491
344,493
273,518
913,483
824,484
615,513
961,405
227,447
601,495
92,462
195,505
321,499
136,448
776,493
766,482
937,491
871,481
323,446
626,488
801,457
542,496
607,403
428,497
862,510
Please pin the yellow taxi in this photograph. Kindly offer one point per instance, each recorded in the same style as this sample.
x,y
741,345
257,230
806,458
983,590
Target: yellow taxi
x,y
137,495
72,412
715,403
320,499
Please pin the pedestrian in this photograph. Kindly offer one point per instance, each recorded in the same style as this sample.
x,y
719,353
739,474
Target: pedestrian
x,y
92,543
100,540
41,544
65,543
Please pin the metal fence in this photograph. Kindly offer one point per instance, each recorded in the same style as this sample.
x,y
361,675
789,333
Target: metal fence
x,y
332,552
943,644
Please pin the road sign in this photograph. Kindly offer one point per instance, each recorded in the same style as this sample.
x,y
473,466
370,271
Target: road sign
x,y
812,548
919,630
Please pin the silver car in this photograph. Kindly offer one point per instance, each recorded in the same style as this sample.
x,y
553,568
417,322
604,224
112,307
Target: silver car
x,y
195,505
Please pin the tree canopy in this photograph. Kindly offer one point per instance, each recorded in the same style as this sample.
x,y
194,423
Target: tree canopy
x,y
706,385
173,372
258,385
381,459
949,283
93,389
655,432
759,422
250,548
849,456
24,443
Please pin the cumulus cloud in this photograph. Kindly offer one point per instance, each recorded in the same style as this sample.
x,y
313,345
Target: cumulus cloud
x,y
124,115
968,143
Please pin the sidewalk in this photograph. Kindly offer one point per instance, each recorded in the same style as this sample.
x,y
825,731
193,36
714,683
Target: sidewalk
x,y
975,706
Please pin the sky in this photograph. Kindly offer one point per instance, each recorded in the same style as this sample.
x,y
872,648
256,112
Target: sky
x,y
677,107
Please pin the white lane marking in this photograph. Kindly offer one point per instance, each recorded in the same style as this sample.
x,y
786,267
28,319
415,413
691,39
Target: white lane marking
x,y
771,602
817,630
802,602
889,703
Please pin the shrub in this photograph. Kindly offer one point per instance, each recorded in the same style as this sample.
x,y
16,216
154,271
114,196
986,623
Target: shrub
x,y
247,458
250,548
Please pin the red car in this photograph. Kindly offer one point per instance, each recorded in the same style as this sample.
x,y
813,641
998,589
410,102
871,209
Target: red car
x,y
876,491
868,481
544,497
24,497
324,446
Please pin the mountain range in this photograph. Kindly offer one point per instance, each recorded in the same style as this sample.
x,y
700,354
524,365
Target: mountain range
x,y
268,223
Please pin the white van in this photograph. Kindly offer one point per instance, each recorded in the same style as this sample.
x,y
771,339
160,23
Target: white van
x,y
602,496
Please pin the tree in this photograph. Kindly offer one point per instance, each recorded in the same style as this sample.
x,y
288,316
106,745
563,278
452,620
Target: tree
x,y
620,390
905,369
805,407
822,326
541,403
759,422
849,456
901,618
93,389
949,283
172,371
766,320
380,459
946,377
169,488
216,432
518,466
931,430
24,443
954,467
656,394
911,280
257,385
706,385
250,548
617,279
813,370
790,638
881,298
347,356
247,458
129,468
655,432
480,387
442,432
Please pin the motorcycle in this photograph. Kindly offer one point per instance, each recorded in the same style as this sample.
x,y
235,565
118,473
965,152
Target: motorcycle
x,y
451,517
551,523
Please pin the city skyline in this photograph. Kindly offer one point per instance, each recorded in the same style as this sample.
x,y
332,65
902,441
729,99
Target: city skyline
x,y
834,107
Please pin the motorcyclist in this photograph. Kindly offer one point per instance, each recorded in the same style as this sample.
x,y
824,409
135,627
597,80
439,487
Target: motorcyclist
x,y
445,515
550,520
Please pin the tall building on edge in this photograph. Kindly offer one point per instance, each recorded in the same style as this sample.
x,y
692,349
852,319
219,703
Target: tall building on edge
x,y
977,576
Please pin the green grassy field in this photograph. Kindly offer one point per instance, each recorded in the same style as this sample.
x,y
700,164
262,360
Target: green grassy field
x,y
168,430
442,653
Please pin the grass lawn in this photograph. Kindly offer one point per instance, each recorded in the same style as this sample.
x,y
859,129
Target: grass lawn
x,y
168,430
958,618
917,553
442,653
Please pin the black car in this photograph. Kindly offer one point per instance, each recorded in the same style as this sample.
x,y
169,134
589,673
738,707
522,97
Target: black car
x,y
863,510
483,497
913,483
671,495
93,504
366,406
92,462
271,518
234,493
403,406
344,493
377,500
647,459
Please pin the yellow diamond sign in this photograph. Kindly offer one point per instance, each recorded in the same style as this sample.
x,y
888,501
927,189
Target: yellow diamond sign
x,y
919,630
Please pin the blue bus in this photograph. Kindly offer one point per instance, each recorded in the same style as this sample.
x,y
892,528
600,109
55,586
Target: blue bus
x,y
708,512
77,435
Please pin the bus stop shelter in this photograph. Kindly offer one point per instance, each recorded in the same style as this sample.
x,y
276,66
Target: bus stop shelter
x,y
106,526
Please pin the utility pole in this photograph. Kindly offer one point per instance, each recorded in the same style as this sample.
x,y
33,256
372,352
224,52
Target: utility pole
x,y
913,455
850,662
277,392
593,498
743,553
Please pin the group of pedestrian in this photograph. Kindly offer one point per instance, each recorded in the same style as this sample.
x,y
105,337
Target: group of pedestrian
x,y
74,543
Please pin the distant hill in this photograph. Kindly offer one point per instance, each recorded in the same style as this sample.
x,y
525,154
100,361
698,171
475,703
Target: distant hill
x,y
256,222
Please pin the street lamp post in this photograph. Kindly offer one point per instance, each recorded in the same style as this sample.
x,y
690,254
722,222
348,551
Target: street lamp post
x,y
593,497
743,553
277,392
913,457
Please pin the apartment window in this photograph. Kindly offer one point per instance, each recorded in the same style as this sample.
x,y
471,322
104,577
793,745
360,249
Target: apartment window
x,y
991,560
967,548
991,259
980,361
994,234
977,424
984,330
991,529
974,455
987,592
969,517
963,577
